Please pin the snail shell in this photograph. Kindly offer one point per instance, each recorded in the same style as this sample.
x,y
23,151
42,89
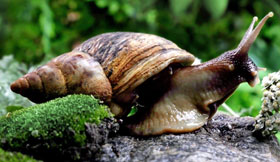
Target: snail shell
x,y
129,59
106,66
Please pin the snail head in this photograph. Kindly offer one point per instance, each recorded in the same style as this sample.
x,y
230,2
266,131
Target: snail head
x,y
242,64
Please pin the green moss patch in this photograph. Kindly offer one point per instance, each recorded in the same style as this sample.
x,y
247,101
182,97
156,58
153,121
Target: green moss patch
x,y
14,157
55,125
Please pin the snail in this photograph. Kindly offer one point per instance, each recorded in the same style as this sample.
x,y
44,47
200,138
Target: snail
x,y
126,68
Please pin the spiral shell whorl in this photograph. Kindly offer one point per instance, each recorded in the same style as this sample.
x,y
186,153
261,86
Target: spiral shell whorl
x,y
70,73
129,59
46,80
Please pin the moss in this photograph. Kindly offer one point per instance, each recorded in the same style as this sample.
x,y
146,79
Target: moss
x,y
14,157
54,125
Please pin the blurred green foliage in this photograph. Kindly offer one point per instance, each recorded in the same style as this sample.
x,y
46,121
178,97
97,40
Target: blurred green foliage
x,y
35,30
32,30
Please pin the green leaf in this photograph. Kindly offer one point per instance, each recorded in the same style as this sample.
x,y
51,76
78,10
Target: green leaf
x,y
13,108
278,136
10,70
179,6
133,111
216,7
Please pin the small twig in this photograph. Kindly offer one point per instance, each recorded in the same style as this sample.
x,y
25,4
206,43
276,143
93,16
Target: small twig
x,y
228,109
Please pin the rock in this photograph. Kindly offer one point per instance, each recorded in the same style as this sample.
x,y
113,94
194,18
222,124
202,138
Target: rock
x,y
224,138
97,135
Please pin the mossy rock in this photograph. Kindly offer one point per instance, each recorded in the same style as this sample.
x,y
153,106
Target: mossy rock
x,y
6,156
51,127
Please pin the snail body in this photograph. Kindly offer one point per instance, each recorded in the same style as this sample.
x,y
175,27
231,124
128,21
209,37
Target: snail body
x,y
124,69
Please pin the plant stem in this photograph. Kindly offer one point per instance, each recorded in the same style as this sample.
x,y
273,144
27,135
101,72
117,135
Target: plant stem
x,y
228,109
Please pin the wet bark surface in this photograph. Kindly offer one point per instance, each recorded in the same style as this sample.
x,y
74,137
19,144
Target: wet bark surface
x,y
224,138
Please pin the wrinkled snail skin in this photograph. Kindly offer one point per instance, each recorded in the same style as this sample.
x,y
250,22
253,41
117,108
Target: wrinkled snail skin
x,y
195,92
124,69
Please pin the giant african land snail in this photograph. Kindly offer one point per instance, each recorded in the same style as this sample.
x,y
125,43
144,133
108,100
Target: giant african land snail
x,y
125,68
